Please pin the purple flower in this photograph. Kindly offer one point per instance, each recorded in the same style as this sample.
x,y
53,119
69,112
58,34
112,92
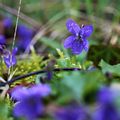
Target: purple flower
x,y
105,95
77,42
7,22
23,43
2,40
25,35
106,109
29,103
107,112
10,58
72,112
24,31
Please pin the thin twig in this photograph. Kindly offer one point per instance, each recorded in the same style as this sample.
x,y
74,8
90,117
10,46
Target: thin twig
x,y
16,25
36,73
15,32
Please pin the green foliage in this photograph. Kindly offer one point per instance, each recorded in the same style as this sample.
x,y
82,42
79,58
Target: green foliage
x,y
108,53
4,111
25,66
89,6
82,82
76,85
113,69
79,86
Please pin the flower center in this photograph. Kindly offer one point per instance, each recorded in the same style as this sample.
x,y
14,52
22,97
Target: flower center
x,y
79,38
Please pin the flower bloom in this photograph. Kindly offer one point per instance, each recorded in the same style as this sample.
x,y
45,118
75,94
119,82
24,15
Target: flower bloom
x,y
10,58
107,109
29,103
2,40
7,22
25,35
72,112
77,42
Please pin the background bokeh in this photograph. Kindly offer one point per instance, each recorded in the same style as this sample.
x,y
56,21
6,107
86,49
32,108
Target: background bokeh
x,y
41,32
47,18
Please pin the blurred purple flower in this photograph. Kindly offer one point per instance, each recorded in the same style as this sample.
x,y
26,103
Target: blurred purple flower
x,y
25,35
72,112
23,43
7,22
77,42
10,58
24,31
105,95
29,100
107,112
106,109
2,40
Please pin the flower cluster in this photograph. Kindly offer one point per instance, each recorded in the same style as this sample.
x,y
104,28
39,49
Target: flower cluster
x,y
29,105
104,109
107,109
24,34
31,102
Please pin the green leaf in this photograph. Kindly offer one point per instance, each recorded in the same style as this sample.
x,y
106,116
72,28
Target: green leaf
x,y
64,62
4,111
114,69
75,84
80,83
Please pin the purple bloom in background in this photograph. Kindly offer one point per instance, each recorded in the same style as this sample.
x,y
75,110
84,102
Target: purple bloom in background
x,y
7,22
10,58
23,43
29,103
72,112
78,40
25,35
24,31
107,112
2,40
106,109
105,95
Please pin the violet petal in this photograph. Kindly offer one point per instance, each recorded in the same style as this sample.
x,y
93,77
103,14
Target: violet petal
x,y
77,47
87,31
68,41
72,27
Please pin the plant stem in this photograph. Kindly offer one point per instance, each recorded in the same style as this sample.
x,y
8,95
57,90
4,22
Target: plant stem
x,y
38,72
